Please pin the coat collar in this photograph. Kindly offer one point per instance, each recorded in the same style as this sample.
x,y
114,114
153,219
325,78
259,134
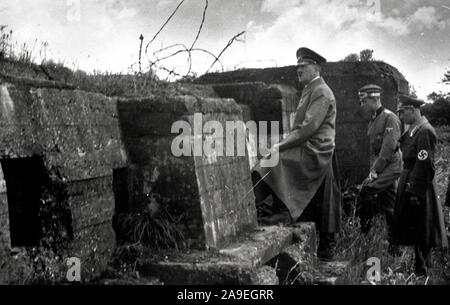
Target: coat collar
x,y
377,113
417,125
314,83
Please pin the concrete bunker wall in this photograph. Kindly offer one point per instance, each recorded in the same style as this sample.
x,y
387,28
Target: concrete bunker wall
x,y
76,135
90,144
344,78
262,103
209,194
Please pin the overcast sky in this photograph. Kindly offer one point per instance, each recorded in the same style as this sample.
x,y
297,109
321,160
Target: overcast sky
x,y
412,35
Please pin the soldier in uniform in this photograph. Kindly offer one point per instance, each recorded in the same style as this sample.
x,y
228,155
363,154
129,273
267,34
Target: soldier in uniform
x,y
303,178
380,187
418,218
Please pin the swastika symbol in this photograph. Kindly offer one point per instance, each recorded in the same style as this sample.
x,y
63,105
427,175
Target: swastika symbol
x,y
422,155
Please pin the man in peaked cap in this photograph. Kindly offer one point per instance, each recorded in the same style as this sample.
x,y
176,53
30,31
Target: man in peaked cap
x,y
418,218
308,56
303,178
380,187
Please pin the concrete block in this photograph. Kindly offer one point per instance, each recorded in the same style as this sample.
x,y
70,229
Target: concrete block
x,y
208,186
240,264
259,246
77,135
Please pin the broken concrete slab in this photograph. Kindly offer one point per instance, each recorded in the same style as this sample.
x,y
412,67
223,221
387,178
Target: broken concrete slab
x,y
240,263
258,247
298,257
205,273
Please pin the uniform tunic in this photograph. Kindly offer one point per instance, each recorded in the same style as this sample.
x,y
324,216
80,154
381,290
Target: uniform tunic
x,y
421,224
306,161
384,131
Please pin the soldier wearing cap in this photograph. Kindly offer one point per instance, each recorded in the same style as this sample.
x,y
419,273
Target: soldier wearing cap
x,y
303,179
380,187
418,218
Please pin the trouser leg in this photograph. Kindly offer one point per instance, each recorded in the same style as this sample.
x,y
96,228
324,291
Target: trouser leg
x,y
275,210
366,216
393,249
386,201
313,211
366,208
423,259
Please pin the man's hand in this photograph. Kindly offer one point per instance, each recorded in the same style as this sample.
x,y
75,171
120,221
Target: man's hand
x,y
275,147
272,150
372,175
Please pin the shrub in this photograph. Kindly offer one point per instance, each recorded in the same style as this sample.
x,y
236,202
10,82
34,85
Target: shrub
x,y
154,227
438,111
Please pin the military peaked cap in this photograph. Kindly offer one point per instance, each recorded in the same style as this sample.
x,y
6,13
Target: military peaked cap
x,y
307,56
407,101
370,90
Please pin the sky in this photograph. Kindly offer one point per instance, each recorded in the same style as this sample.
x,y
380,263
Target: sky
x,y
94,35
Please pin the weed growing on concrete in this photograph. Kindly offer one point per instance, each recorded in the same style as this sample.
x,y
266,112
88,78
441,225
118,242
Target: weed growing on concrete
x,y
155,227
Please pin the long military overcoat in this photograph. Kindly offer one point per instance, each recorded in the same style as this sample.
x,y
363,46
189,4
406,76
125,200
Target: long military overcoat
x,y
421,224
307,161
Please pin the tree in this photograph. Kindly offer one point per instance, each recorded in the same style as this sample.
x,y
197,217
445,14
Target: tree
x,y
412,91
446,79
353,57
438,111
366,55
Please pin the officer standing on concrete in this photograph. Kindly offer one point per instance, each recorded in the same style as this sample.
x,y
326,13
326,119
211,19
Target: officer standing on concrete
x,y
303,179
418,216
380,187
